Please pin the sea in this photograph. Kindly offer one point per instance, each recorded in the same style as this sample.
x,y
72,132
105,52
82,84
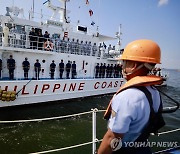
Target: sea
x,y
33,137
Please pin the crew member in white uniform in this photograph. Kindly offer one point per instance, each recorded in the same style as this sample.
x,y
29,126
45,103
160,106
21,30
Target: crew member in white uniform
x,y
131,112
130,109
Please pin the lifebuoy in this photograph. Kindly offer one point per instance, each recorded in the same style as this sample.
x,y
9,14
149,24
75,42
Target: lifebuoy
x,y
48,45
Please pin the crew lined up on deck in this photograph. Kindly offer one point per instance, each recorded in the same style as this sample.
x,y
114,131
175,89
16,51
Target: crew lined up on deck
x,y
108,71
11,65
40,42
101,71
37,39
19,38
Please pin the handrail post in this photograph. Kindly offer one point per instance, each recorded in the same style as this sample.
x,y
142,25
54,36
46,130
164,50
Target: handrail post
x,y
94,130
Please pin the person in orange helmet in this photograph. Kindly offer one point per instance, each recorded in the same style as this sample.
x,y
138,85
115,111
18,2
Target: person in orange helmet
x,y
136,106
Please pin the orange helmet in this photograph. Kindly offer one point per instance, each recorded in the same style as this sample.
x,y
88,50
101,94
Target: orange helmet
x,y
142,51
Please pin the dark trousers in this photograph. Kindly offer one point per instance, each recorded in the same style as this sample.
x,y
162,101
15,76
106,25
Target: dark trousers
x,y
25,74
33,45
121,75
100,74
52,74
40,46
103,74
61,74
11,74
107,75
0,74
73,74
37,75
67,75
110,74
96,75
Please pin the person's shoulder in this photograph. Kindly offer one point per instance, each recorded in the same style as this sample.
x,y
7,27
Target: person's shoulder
x,y
129,90
129,98
131,94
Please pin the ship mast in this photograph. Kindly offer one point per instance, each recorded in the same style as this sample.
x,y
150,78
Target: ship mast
x,y
33,9
118,36
58,10
63,10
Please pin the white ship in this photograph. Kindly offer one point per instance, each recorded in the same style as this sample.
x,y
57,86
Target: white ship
x,y
66,42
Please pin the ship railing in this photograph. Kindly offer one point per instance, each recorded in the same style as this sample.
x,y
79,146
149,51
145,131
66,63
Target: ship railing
x,y
94,141
19,40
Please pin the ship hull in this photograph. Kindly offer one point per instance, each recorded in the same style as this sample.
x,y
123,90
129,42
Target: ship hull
x,y
38,91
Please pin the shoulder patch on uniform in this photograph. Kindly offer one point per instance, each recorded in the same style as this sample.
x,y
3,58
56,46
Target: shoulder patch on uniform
x,y
113,113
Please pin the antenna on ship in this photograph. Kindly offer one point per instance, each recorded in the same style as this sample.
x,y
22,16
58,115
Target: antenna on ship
x,y
13,3
118,36
33,9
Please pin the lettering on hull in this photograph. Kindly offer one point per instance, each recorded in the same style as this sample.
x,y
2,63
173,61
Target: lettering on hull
x,y
57,88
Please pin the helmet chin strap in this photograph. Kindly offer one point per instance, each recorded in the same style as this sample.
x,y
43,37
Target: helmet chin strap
x,y
147,65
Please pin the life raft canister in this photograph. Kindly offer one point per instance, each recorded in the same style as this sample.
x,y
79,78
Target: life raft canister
x,y
7,95
48,45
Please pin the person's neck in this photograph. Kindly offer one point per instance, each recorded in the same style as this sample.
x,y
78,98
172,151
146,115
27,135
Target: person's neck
x,y
141,72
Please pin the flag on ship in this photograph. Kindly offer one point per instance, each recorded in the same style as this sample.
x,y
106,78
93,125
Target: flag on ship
x,y
90,12
92,23
46,2
87,2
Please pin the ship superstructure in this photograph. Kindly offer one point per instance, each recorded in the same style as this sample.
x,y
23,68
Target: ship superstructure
x,y
50,41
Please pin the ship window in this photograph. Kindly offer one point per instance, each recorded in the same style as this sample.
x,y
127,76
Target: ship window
x,y
84,29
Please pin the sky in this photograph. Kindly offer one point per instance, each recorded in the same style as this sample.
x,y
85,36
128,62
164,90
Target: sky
x,y
157,20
